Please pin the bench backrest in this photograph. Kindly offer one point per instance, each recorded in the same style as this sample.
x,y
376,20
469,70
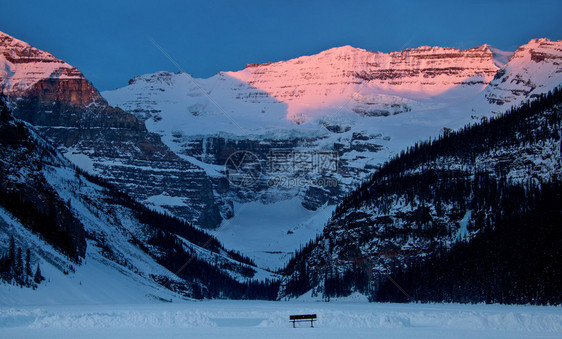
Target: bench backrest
x,y
302,316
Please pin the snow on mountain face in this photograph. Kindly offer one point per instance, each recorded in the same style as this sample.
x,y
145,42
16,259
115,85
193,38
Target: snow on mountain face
x,y
501,58
333,82
95,244
25,65
66,108
26,68
533,69
77,221
364,106
326,81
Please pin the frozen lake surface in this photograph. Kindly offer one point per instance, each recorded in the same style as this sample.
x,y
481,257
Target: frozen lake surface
x,y
260,319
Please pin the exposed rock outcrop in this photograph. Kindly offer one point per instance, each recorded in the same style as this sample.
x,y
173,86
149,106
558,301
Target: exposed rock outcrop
x,y
66,108
535,68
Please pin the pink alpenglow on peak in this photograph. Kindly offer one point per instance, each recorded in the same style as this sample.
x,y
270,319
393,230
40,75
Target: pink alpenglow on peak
x,y
534,68
312,85
347,84
26,70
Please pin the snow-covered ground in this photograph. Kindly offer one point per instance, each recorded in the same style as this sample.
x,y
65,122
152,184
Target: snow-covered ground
x,y
258,319
269,233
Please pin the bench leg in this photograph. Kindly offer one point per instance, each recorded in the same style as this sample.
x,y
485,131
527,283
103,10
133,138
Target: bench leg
x,y
293,324
311,324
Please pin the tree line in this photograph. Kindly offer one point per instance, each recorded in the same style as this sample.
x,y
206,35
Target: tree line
x,y
38,207
516,241
15,268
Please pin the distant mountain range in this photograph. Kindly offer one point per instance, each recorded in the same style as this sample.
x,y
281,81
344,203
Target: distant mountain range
x,y
365,106
165,138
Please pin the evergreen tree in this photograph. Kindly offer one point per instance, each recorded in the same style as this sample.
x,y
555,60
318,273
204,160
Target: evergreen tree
x,y
12,250
37,278
28,272
513,248
18,267
5,114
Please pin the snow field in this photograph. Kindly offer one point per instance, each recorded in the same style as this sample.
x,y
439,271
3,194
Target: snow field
x,y
269,233
260,319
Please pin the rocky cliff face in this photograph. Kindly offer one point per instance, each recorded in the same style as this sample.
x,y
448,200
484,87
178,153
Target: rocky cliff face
x,y
75,223
314,103
69,111
358,106
535,68
430,198
329,78
41,75
363,106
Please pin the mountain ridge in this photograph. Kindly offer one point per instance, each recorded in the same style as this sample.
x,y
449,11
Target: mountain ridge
x,y
364,106
432,201
66,109
363,115
78,226
26,66
165,138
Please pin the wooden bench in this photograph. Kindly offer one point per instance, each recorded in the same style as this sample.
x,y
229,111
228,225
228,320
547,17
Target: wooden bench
x,y
303,317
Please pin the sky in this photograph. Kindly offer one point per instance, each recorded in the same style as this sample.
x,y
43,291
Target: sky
x,y
111,41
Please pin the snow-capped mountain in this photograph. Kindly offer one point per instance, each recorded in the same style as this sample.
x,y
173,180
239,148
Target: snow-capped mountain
x,y
335,81
27,69
95,243
451,219
66,109
534,69
315,85
168,137
317,126
363,106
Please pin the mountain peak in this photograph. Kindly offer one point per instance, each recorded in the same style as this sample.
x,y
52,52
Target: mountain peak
x,y
345,49
542,43
25,69
539,41
19,52
534,68
160,76
313,84
539,50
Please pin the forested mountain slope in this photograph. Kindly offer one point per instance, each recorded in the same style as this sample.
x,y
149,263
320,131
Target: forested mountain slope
x,y
72,224
472,216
